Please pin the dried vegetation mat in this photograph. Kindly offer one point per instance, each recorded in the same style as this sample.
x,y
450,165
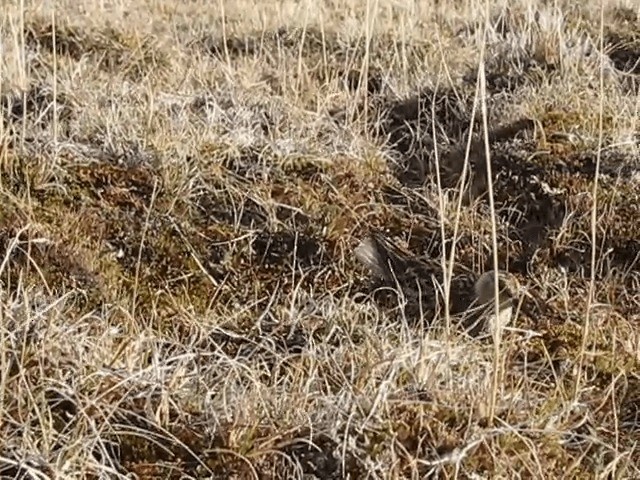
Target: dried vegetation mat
x,y
182,188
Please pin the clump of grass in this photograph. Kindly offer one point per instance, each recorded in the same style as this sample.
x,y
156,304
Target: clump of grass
x,y
180,200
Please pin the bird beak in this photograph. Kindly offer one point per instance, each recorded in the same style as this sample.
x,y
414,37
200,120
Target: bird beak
x,y
525,291
528,307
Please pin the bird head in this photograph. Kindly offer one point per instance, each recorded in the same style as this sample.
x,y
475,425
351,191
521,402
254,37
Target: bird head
x,y
508,288
508,291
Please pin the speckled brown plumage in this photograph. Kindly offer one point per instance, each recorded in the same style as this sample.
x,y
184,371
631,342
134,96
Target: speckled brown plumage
x,y
419,282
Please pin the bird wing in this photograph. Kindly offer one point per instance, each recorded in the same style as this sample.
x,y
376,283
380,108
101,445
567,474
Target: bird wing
x,y
385,259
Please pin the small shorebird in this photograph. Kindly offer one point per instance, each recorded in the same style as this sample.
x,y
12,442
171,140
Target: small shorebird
x,y
472,297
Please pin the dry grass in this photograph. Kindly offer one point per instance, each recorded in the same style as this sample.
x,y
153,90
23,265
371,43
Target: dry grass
x,y
182,185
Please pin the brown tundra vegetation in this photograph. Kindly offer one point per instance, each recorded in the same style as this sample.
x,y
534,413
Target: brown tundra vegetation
x,y
186,189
